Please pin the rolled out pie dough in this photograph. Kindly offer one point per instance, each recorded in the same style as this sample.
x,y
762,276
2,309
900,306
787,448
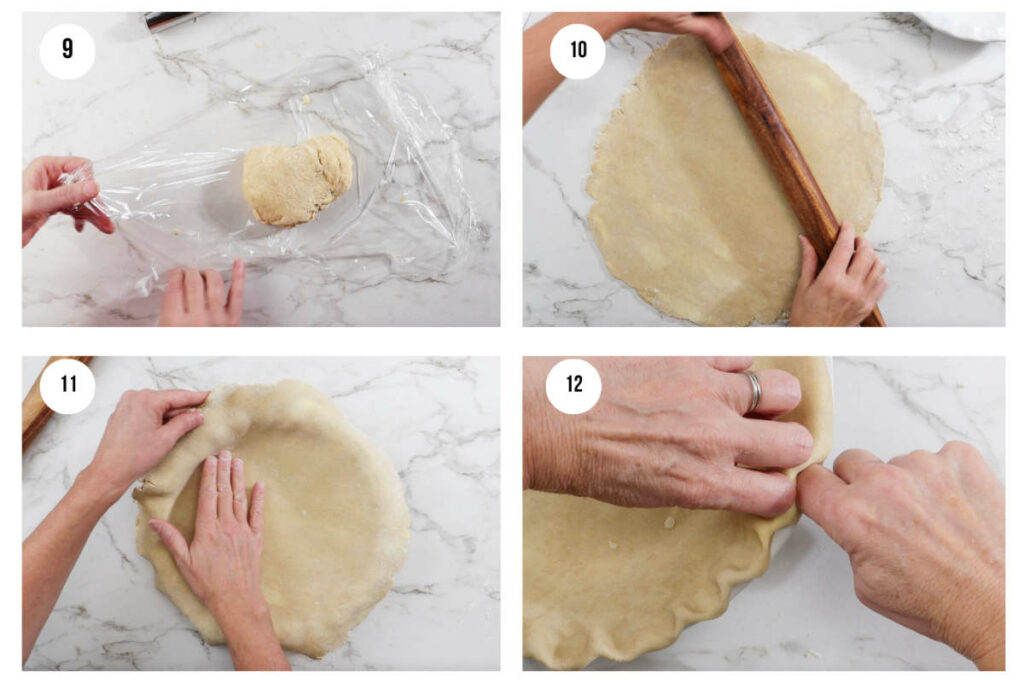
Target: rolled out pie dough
x,y
686,209
286,186
336,526
606,581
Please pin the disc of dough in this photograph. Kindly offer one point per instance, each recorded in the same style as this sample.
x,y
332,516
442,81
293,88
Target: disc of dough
x,y
336,526
606,581
687,211
286,186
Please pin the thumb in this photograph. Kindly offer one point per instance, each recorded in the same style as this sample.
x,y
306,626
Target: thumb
x,y
808,264
172,540
181,424
65,196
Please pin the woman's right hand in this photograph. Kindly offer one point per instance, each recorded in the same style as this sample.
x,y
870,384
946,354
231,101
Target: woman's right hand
x,y
43,195
846,289
925,533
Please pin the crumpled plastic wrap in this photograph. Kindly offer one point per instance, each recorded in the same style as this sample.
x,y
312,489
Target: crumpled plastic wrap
x,y
176,197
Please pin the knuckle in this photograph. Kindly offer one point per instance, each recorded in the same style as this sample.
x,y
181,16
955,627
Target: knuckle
x,y
961,451
802,440
857,520
827,501
958,448
892,480
707,438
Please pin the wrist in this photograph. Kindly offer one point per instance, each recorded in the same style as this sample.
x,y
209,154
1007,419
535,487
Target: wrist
x,y
992,660
978,631
550,448
605,23
98,487
986,645
610,23
235,613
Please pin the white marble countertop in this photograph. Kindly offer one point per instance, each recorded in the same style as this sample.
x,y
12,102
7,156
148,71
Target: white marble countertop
x,y
143,83
940,103
437,418
802,613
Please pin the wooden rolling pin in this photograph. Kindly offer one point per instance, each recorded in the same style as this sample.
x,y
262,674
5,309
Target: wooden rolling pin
x,y
778,146
34,413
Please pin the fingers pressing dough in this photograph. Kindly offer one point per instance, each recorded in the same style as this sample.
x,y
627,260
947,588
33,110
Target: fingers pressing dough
x,y
287,186
601,580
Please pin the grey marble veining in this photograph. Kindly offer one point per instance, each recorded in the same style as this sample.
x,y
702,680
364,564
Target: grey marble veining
x,y
802,612
436,418
940,103
142,84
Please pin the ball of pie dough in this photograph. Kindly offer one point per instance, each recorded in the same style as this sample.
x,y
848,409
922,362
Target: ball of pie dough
x,y
288,186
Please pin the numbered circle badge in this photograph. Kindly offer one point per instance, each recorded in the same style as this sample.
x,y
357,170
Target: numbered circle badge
x,y
67,386
67,51
577,51
573,386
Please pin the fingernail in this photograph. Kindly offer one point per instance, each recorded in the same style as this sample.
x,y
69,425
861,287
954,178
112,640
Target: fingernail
x,y
153,524
90,188
224,455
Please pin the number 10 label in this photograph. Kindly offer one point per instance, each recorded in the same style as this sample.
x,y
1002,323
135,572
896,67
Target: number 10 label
x,y
577,51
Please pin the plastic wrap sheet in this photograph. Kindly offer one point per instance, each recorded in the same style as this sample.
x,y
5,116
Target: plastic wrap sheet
x,y
176,197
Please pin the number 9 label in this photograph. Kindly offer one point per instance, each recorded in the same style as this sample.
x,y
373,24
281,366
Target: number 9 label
x,y
577,51
573,386
67,52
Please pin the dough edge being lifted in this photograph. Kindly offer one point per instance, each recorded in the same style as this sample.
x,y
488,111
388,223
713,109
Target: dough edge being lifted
x,y
625,608
288,186
686,210
312,605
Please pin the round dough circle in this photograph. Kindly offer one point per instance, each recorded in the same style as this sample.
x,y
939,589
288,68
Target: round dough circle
x,y
606,581
336,526
687,211
286,186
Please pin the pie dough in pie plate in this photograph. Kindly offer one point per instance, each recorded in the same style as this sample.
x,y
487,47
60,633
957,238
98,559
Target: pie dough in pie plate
x,y
336,526
605,581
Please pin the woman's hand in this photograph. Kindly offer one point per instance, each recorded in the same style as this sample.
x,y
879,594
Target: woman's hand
x,y
926,537
222,565
668,432
847,288
709,28
42,195
195,299
540,77
143,428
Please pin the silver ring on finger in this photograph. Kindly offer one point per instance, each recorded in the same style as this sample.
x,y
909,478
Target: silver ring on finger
x,y
755,386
